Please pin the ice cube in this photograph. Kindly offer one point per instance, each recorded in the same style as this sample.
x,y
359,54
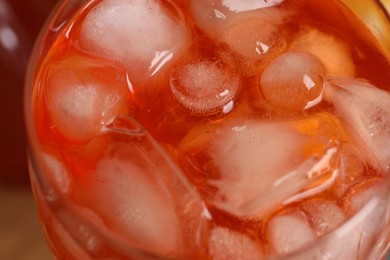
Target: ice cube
x,y
58,175
80,100
341,246
323,215
143,197
361,193
226,244
334,53
204,87
366,110
304,224
254,43
249,29
352,169
288,233
213,17
262,164
293,81
367,203
140,34
136,207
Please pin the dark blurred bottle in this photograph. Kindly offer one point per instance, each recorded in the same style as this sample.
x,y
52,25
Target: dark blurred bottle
x,y
20,22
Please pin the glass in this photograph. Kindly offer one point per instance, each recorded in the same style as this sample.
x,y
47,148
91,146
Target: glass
x,y
74,231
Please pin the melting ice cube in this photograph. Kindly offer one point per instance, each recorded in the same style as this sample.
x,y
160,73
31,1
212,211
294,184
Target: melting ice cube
x,y
80,100
142,196
293,81
288,233
304,224
250,29
135,206
227,244
367,204
335,54
214,16
254,42
366,110
352,168
57,174
204,87
323,215
355,227
263,164
140,34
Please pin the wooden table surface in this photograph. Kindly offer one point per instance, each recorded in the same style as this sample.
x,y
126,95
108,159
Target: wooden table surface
x,y
21,237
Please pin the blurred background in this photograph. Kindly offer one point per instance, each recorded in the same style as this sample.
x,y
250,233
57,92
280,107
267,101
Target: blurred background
x,y
20,234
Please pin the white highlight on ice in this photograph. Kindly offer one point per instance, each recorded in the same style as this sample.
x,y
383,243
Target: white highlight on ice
x,y
312,191
315,101
308,82
261,47
160,59
228,107
129,84
248,5
239,128
219,14
322,164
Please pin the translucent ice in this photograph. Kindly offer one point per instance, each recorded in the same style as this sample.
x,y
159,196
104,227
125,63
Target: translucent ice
x,y
288,233
367,202
139,209
140,34
366,110
204,87
323,215
213,17
57,174
250,29
293,81
359,222
263,164
335,54
361,193
78,95
254,43
305,224
352,168
226,244
142,196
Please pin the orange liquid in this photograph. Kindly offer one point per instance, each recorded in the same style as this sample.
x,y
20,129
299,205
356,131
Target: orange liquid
x,y
188,136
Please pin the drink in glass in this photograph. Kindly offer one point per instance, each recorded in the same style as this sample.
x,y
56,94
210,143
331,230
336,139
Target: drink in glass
x,y
208,129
